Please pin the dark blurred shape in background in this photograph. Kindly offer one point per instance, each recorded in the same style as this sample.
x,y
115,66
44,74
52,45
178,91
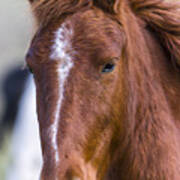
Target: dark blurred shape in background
x,y
12,89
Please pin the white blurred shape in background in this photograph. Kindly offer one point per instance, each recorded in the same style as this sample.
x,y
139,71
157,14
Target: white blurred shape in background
x,y
26,151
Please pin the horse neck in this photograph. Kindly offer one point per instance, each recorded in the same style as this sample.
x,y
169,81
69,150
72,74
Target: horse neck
x,y
152,147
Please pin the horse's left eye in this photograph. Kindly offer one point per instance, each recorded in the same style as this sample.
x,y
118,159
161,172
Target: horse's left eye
x,y
109,67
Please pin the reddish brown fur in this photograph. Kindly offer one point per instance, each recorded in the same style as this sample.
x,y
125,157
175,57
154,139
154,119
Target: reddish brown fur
x,y
124,125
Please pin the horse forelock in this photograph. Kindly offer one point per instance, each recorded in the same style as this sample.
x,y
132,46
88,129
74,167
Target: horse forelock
x,y
47,10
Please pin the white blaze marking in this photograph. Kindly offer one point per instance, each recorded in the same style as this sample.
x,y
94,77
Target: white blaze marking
x,y
60,52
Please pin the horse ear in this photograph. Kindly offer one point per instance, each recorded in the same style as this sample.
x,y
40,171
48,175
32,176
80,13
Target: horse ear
x,y
111,6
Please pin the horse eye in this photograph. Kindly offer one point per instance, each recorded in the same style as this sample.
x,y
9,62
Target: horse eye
x,y
109,67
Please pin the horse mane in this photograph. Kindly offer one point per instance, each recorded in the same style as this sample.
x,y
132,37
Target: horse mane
x,y
149,116
164,19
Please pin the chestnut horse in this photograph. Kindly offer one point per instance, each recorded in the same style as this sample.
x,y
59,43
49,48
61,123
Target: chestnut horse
x,y
107,79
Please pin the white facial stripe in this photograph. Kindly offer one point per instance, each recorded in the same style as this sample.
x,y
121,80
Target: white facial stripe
x,y
62,43
60,52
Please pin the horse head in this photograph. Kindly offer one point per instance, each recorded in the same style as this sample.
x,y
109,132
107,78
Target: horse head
x,y
96,94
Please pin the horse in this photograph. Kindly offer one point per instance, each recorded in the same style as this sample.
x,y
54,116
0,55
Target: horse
x,y
107,81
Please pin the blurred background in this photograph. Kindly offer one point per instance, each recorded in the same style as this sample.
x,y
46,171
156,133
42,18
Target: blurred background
x,y
18,122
